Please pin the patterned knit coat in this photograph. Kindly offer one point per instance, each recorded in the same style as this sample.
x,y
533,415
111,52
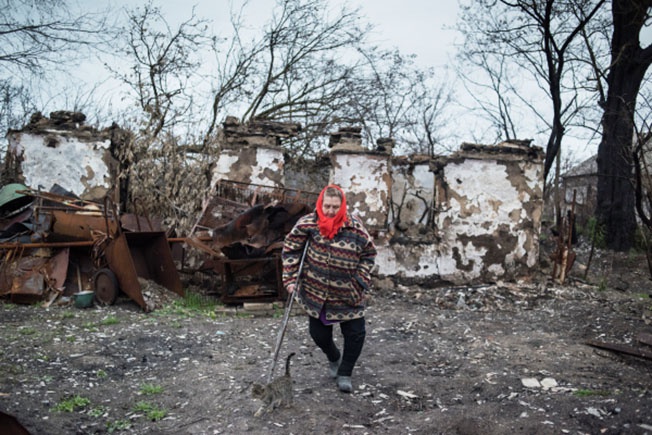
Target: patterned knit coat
x,y
336,273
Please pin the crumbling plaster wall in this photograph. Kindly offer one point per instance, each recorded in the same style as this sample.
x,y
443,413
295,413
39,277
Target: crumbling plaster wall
x,y
252,164
309,176
78,163
490,202
365,178
413,186
251,152
410,247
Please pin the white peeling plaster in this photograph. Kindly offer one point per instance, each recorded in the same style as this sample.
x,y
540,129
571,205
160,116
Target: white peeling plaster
x,y
488,200
496,269
267,159
521,251
360,173
489,196
393,261
75,165
405,188
223,165
386,260
471,258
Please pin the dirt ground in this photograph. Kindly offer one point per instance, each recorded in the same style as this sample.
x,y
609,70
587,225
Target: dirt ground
x,y
493,359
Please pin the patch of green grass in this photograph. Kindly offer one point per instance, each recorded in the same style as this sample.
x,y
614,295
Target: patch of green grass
x,y
191,305
28,330
101,374
590,393
71,338
152,412
278,312
97,411
118,425
68,315
110,320
90,327
72,403
150,389
602,285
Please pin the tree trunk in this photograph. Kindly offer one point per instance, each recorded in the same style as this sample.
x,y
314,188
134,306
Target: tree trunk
x,y
616,199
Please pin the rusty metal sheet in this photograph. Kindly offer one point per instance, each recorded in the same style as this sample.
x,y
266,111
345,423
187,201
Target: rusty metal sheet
x,y
26,279
28,287
136,223
57,268
16,268
146,255
18,218
78,226
233,198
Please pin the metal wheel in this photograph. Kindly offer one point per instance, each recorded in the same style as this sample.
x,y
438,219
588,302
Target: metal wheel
x,y
106,286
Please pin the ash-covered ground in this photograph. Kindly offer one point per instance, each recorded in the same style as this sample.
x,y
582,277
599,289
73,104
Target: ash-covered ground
x,y
493,359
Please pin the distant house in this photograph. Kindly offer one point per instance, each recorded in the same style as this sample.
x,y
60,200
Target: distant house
x,y
583,180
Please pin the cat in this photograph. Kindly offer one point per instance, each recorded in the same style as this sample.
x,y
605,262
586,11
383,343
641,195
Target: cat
x,y
277,393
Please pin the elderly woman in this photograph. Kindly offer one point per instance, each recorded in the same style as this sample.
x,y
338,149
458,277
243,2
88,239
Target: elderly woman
x,y
335,278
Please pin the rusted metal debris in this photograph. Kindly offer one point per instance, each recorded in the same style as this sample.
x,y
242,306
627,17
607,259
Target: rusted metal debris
x,y
63,245
245,225
146,255
58,245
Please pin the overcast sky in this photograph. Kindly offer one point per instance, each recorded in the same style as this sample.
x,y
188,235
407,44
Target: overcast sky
x,y
418,27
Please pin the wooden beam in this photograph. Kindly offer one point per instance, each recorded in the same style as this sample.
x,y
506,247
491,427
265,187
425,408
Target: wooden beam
x,y
621,348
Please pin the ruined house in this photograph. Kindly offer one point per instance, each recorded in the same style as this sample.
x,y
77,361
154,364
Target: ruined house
x,y
61,150
474,216
581,182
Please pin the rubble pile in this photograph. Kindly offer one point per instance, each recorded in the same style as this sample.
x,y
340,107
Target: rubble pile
x,y
54,245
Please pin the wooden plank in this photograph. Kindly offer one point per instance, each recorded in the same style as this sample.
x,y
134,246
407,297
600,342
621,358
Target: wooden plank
x,y
621,348
645,338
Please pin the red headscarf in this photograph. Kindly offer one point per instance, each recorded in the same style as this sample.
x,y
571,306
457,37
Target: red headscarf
x,y
329,226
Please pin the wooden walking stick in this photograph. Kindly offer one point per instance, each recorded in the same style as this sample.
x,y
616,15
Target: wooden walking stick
x,y
286,315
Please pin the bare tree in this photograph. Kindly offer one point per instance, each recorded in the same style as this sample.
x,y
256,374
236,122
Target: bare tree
x,y
304,68
542,38
157,174
491,95
293,72
163,62
45,33
429,132
38,38
629,63
393,97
